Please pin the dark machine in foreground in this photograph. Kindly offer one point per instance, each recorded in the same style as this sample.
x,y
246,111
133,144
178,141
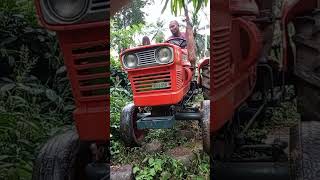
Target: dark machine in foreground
x,y
245,82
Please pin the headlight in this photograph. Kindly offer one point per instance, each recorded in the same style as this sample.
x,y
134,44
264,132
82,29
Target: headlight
x,y
67,10
130,61
164,55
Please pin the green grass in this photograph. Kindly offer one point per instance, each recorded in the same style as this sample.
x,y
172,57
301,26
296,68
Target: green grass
x,y
157,165
284,116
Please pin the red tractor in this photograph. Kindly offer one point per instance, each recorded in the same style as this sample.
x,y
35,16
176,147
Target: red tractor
x,y
161,78
245,82
82,28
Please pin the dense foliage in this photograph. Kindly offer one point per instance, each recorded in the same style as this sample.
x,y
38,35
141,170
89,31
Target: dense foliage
x,y
35,95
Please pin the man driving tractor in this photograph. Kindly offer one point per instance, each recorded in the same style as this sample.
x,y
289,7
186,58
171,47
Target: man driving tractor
x,y
162,81
174,28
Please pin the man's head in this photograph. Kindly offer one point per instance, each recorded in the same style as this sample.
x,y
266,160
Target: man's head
x,y
145,40
174,28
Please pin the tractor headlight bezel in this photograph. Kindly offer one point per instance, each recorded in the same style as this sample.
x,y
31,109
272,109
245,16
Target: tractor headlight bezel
x,y
65,11
132,62
164,55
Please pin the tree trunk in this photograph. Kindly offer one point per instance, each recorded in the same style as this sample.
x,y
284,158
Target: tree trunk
x,y
191,46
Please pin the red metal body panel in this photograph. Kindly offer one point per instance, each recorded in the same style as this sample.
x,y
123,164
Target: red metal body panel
x,y
221,96
86,56
202,63
234,59
178,73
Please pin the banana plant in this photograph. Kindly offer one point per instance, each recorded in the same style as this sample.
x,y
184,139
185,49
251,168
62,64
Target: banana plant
x,y
183,4
177,5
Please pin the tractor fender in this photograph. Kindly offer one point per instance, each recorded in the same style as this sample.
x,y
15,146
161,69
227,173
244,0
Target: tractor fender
x,y
292,9
188,75
203,62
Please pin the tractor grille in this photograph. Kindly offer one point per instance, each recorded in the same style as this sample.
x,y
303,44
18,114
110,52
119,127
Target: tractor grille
x,y
152,82
221,56
100,5
92,69
147,57
179,79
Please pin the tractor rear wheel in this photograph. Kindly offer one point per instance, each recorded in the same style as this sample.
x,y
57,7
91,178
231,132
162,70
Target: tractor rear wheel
x,y
307,69
307,65
63,157
310,149
130,134
205,125
205,78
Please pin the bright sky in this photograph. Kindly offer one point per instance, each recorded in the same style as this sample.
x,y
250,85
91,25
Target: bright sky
x,y
154,13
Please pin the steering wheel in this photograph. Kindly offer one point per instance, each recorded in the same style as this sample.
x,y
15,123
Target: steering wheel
x,y
178,41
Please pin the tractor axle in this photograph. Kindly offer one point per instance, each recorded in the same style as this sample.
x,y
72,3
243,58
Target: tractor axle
x,y
250,170
162,122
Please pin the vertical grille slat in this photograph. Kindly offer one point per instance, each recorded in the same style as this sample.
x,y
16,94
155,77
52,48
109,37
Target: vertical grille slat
x,y
147,57
179,79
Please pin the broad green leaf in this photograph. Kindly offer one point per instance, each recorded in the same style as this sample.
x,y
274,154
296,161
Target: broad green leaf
x,y
135,169
7,87
52,95
61,70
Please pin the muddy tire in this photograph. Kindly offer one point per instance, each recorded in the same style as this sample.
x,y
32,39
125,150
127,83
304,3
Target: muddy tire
x,y
63,157
307,65
311,149
307,70
305,151
308,101
205,78
130,134
205,125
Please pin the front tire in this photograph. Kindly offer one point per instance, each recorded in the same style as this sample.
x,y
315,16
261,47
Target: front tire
x,y
130,134
205,84
63,157
205,125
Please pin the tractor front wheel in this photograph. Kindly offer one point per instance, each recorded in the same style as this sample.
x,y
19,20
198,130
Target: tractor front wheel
x,y
130,134
63,157
205,81
205,125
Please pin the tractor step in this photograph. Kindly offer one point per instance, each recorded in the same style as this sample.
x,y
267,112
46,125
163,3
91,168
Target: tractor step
x,y
251,170
162,122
